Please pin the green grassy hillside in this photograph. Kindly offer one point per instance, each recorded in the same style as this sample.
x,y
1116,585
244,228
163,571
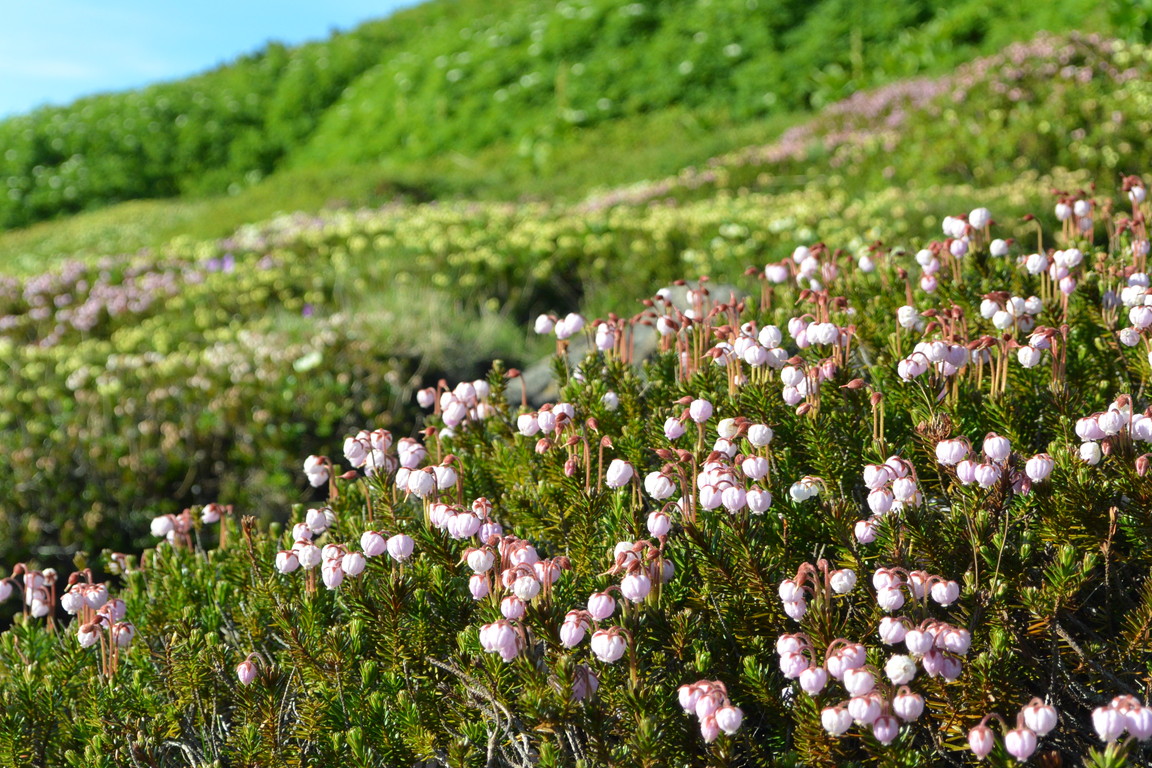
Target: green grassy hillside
x,y
485,97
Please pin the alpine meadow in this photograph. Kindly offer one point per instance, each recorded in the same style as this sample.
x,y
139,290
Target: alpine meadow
x,y
585,383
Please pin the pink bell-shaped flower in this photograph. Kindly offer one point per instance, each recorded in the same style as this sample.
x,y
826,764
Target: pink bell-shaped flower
x,y
246,672
981,740
1020,743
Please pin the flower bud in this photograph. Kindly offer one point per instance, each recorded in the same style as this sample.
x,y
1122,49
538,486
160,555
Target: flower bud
x,y
709,728
945,592
353,563
1108,722
865,531
1039,467
512,607
1138,719
608,646
526,587
308,555
951,452
886,728
996,447
981,740
635,587
478,586
122,633
246,672
400,547
836,720
316,521
842,581
700,411
372,543
729,718
601,606
618,474
908,706
918,641
792,665
1039,717
659,486
760,435
480,560
332,574
88,634
865,709
757,500
659,524
892,630
813,679
1020,743
858,682
890,599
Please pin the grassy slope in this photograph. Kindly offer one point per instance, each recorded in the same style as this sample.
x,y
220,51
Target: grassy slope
x,y
482,99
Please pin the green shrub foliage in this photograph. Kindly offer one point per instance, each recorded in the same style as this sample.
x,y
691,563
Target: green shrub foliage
x,y
956,443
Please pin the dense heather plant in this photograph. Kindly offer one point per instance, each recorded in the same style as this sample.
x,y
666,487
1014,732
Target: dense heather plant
x,y
834,518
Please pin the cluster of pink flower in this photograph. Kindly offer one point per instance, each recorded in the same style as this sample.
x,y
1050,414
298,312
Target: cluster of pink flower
x,y
708,700
1137,297
733,486
1075,215
921,585
336,560
937,646
39,589
945,357
847,662
962,234
698,410
1060,265
891,486
550,419
1033,722
1106,432
996,465
177,529
641,562
1008,312
756,347
806,266
318,470
524,574
461,523
1123,713
813,580
801,382
503,637
564,327
96,613
372,451
1031,354
468,401
725,476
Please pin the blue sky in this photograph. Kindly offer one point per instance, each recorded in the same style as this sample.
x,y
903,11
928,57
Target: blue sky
x,y
54,51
